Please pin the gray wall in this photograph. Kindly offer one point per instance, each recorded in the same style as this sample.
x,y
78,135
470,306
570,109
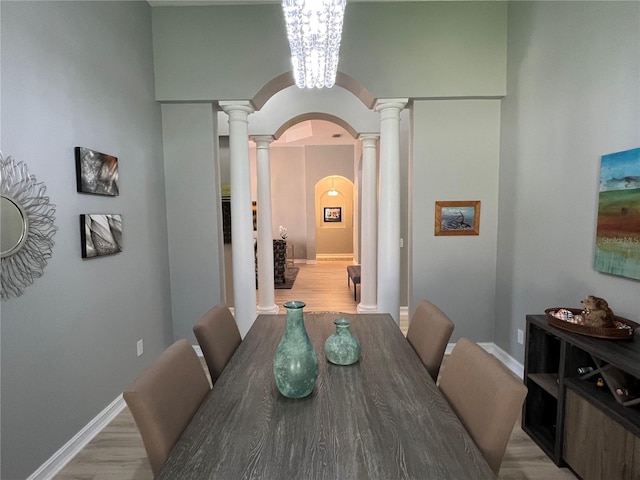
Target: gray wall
x,y
81,74
400,49
193,212
455,157
321,162
573,95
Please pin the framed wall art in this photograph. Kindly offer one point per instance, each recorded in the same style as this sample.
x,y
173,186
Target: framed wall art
x,y
100,235
618,232
96,173
332,214
459,217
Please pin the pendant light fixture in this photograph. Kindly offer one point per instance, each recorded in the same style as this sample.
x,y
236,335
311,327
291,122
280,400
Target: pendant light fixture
x,y
332,192
314,29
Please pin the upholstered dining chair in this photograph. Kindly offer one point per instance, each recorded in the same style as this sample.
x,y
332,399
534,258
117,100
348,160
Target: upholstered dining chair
x,y
164,398
218,336
429,332
485,396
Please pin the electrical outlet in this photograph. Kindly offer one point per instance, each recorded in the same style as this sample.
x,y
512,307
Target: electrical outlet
x,y
139,347
401,242
520,336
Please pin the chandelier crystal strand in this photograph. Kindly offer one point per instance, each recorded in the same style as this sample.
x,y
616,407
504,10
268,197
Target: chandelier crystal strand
x,y
314,29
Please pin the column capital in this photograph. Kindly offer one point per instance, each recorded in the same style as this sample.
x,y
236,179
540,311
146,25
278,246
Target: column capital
x,y
236,106
262,141
387,103
368,136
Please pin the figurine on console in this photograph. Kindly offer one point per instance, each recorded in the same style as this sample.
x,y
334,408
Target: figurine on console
x,y
596,313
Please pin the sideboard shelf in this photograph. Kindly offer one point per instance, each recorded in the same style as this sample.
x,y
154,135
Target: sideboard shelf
x,y
548,382
568,414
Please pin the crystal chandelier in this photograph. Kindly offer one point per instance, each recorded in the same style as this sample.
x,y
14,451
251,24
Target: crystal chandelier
x,y
314,28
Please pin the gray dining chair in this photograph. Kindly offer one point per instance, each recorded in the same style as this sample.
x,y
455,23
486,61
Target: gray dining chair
x,y
429,333
486,397
164,398
218,336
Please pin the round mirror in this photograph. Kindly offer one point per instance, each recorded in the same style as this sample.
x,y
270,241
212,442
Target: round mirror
x,y
13,227
26,228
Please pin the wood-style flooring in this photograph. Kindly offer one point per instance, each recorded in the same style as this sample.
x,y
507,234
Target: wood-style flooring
x,y
117,452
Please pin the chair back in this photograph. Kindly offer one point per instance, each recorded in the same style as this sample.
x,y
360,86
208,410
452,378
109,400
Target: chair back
x,y
218,336
164,398
486,397
429,333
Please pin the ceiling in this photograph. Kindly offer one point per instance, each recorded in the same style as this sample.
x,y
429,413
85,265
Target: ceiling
x,y
315,132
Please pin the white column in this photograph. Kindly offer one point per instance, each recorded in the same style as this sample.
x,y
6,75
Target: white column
x,y
389,207
369,227
266,293
244,279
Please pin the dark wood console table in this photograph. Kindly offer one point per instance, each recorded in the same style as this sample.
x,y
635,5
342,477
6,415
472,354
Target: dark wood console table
x,y
576,422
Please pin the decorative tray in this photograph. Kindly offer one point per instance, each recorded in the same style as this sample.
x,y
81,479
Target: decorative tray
x,y
624,331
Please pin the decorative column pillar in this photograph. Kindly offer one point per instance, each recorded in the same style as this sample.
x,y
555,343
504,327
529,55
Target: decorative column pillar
x,y
389,207
369,227
244,272
266,294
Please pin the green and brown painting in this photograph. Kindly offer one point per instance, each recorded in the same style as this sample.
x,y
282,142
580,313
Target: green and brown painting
x,y
618,234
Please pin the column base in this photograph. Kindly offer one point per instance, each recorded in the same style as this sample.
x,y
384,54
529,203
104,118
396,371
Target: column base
x,y
367,308
268,309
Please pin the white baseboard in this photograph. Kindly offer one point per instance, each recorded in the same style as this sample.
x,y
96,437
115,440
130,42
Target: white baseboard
x,y
404,314
334,256
49,469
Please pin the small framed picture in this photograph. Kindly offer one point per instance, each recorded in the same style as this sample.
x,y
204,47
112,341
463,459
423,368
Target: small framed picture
x,y
96,173
457,218
100,235
332,214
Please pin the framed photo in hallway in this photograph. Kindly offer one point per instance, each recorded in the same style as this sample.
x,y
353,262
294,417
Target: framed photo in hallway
x,y
457,218
332,214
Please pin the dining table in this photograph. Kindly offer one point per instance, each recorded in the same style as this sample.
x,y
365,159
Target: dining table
x,y
381,418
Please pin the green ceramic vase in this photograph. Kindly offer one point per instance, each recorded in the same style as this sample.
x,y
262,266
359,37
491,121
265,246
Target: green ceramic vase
x,y
295,365
343,347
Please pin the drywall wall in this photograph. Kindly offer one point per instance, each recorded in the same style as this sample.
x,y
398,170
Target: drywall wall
x,y
193,212
81,74
574,95
400,49
455,157
320,162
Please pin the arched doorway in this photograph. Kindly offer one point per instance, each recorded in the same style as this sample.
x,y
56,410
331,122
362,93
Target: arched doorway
x,y
334,214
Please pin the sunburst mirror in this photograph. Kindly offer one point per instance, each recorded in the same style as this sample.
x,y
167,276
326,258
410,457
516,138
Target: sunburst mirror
x,y
26,230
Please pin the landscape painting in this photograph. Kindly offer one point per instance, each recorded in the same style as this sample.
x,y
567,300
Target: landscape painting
x,y
457,218
100,235
618,233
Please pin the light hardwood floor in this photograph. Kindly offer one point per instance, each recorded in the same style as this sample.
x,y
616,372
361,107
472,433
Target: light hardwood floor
x,y
117,452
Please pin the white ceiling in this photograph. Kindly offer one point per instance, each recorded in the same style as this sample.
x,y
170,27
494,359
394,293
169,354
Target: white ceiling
x,y
315,132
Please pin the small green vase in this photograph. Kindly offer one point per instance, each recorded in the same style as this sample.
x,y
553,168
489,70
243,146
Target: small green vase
x,y
343,347
295,366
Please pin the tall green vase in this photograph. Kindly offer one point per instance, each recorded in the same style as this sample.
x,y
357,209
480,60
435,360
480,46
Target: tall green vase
x,y
295,365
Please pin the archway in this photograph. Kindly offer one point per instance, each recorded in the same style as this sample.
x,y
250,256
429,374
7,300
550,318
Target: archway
x,y
334,213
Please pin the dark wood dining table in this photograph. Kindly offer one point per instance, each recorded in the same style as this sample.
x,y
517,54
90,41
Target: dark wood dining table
x,y
382,418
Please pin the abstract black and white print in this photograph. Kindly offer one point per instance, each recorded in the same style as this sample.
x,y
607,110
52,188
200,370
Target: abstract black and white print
x,y
100,235
96,172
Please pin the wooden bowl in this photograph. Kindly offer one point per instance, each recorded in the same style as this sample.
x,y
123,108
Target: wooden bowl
x,y
625,333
